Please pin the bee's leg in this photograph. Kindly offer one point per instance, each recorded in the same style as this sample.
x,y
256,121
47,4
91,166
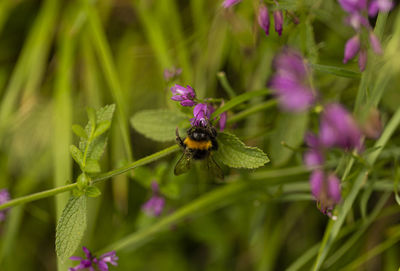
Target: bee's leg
x,y
213,131
179,139
214,144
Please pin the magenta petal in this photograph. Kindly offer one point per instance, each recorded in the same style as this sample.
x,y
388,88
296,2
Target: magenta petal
x,y
222,121
188,103
316,182
351,48
278,21
263,18
334,188
313,158
338,128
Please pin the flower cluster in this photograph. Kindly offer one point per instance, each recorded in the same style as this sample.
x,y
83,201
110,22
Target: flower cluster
x,y
358,11
4,197
185,95
291,82
337,129
91,262
155,205
263,16
201,112
263,19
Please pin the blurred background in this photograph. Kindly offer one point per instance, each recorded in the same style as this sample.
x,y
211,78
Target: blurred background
x,y
59,57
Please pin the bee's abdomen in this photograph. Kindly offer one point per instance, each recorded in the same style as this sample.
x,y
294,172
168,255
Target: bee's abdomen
x,y
197,145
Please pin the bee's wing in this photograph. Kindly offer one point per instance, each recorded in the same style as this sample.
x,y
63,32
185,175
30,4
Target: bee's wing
x,y
183,164
213,168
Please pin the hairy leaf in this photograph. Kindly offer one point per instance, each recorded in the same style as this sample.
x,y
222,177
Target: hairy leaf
x,y
76,154
92,191
159,125
102,128
96,148
234,153
79,131
71,227
92,166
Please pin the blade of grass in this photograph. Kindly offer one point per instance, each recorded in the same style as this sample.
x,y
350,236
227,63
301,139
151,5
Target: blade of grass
x,y
391,241
35,49
238,100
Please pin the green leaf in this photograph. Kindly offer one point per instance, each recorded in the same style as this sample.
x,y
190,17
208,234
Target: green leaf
x,y
102,128
338,71
76,154
159,125
79,131
71,227
98,144
92,166
234,153
290,130
92,117
92,191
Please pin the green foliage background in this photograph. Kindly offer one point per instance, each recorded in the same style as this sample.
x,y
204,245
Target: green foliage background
x,y
59,57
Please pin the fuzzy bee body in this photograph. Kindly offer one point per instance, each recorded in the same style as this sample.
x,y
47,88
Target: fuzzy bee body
x,y
198,144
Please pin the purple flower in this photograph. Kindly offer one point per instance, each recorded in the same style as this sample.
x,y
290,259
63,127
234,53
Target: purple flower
x,y
184,95
314,156
229,3
379,5
352,6
326,190
172,73
356,20
222,121
109,257
201,113
4,197
155,205
339,129
263,18
290,83
278,21
91,262
351,48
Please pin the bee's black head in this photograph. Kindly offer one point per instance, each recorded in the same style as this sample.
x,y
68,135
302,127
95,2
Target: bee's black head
x,y
200,133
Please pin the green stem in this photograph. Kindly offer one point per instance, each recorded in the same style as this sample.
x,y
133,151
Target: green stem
x,y
39,195
225,84
107,175
238,100
245,113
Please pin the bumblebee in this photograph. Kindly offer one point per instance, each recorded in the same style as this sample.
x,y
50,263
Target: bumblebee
x,y
198,144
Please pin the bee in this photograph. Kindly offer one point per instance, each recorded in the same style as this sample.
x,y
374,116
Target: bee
x,y
198,144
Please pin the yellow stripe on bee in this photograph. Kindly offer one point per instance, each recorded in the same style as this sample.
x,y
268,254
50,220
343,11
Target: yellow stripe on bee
x,y
198,145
